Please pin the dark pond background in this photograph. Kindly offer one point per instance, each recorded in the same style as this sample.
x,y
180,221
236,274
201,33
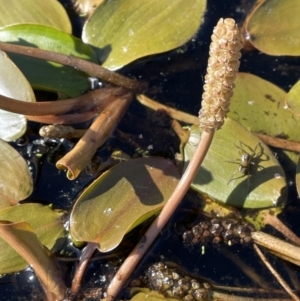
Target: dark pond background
x,y
176,79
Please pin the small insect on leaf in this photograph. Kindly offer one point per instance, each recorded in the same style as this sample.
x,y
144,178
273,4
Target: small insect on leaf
x,y
248,158
258,166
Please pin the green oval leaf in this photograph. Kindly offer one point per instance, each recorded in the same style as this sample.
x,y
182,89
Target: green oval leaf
x,y
274,27
122,198
46,223
13,84
293,99
126,30
47,75
49,12
221,179
16,182
260,107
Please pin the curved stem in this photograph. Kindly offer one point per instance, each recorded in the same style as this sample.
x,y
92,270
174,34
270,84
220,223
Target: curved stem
x,y
141,248
83,262
85,102
76,160
64,118
79,64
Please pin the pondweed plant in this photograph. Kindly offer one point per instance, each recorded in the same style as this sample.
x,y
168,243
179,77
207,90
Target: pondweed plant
x,y
129,193
222,67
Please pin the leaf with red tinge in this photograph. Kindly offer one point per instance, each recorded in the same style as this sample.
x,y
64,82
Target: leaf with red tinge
x,y
122,198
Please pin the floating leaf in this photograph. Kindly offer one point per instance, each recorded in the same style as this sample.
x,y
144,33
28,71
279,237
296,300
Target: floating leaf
x,y
46,75
46,223
142,294
293,99
15,179
13,84
266,182
22,238
260,107
274,27
49,12
122,198
126,30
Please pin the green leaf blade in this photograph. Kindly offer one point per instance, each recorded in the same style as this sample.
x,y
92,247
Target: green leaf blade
x,y
16,181
269,38
260,106
266,184
127,30
49,12
46,224
120,198
13,84
45,75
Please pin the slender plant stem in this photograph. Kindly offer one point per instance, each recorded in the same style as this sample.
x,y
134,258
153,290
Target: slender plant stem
x,y
275,222
176,114
72,118
80,64
275,274
279,142
83,262
278,247
78,104
141,248
76,159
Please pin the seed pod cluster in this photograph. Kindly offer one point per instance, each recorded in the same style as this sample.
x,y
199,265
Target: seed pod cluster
x,y
223,64
219,230
172,283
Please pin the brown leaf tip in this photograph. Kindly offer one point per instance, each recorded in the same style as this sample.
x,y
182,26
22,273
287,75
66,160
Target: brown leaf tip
x,y
223,64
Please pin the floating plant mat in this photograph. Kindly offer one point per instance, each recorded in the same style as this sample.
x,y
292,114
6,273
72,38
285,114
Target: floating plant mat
x,y
264,185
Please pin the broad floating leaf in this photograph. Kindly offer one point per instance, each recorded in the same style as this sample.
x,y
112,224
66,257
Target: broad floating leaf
x,y
274,27
122,198
49,12
13,84
46,224
47,75
293,99
126,30
144,294
260,107
266,182
22,238
15,179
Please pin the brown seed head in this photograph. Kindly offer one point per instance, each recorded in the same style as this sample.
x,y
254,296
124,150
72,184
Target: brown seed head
x,y
223,64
